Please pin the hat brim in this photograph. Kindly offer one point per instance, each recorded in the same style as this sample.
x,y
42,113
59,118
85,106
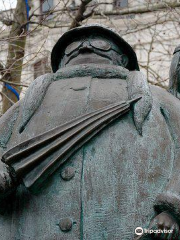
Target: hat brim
x,y
67,38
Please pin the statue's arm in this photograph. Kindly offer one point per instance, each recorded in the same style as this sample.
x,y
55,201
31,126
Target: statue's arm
x,y
167,205
169,198
7,122
23,110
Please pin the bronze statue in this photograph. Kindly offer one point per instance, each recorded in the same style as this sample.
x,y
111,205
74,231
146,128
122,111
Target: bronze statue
x,y
91,152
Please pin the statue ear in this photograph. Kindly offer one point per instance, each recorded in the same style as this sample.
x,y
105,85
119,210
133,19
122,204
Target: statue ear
x,y
124,60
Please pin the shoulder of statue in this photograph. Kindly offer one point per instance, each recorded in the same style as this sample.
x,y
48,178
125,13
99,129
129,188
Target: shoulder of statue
x,y
23,109
42,81
7,122
34,97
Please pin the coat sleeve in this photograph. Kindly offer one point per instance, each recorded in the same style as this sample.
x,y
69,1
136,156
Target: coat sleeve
x,y
23,110
169,198
7,122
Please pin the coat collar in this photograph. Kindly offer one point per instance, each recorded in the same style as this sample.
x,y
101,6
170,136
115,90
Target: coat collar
x,y
38,88
92,70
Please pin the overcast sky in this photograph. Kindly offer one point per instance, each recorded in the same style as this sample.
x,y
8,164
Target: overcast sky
x,y
6,4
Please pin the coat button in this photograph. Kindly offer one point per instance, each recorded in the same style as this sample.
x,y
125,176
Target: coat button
x,y
67,173
65,224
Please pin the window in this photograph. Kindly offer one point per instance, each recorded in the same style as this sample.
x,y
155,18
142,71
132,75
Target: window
x,y
45,7
121,3
41,67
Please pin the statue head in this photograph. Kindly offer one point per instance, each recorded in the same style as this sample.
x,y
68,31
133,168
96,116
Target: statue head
x,y
92,44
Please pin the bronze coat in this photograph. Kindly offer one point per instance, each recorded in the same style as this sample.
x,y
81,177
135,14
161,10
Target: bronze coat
x,y
117,175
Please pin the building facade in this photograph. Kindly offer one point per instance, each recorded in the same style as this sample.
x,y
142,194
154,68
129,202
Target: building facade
x,y
149,26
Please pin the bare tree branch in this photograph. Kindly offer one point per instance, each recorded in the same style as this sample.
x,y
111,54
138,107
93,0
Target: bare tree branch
x,y
80,14
143,9
6,21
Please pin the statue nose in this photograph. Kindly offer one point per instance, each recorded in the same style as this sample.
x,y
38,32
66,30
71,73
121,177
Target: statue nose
x,y
85,47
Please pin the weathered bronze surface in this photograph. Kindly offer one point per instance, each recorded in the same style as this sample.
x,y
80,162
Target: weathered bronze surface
x,y
34,160
92,151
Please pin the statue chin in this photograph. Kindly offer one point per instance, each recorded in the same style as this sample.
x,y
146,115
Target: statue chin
x,y
89,59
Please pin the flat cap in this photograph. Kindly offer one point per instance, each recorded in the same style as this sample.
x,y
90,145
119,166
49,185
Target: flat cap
x,y
92,29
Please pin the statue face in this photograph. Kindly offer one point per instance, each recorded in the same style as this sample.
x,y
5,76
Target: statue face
x,y
93,50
